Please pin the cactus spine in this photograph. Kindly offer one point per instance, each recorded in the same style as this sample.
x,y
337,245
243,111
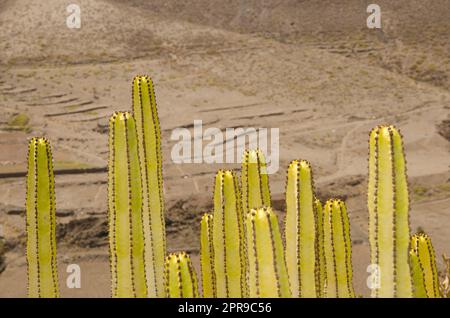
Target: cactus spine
x,y
254,181
41,221
300,230
388,206
126,235
181,280
267,274
320,253
337,250
228,237
207,256
423,267
149,145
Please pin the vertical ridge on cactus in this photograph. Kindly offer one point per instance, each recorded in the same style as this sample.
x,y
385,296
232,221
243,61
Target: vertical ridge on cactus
x,y
267,274
126,235
207,256
254,181
41,221
423,267
337,248
388,205
149,145
228,237
300,230
320,253
181,279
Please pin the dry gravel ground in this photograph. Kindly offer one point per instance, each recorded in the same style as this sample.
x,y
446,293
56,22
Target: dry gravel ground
x,y
310,68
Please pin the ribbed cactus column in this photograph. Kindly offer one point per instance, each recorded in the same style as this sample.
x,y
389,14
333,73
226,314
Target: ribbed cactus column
x,y
181,280
300,230
338,250
254,181
207,256
320,253
267,274
126,234
228,237
149,141
423,267
389,212
41,221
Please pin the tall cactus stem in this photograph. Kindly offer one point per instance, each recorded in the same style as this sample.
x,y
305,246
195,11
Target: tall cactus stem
x,y
126,234
337,248
423,267
41,221
207,257
228,237
320,253
300,230
254,181
267,275
388,206
181,279
149,145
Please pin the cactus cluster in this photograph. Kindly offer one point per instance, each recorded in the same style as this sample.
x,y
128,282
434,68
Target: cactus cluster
x,y
242,251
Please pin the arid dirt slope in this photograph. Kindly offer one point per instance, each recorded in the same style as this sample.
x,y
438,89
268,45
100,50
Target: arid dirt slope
x,y
310,68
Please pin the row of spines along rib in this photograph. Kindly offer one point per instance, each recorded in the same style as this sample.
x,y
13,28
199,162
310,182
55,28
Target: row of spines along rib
x,y
180,276
149,152
228,237
388,206
41,221
423,267
126,214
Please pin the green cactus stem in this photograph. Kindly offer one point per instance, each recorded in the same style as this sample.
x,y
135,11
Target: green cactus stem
x,y
254,181
423,267
126,234
388,206
267,274
300,230
181,280
320,253
207,256
41,221
149,145
228,237
337,250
